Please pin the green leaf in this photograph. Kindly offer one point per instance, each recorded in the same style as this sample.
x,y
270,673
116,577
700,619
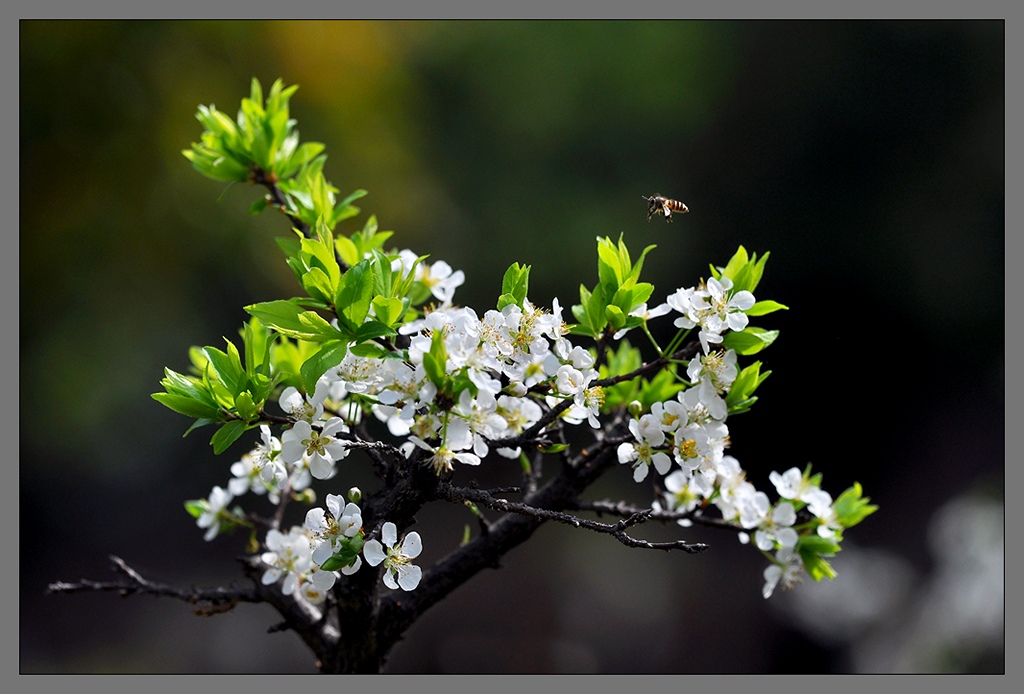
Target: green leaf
x,y
514,285
594,307
246,407
258,206
187,405
615,317
318,285
756,271
288,357
371,330
282,316
435,361
388,310
346,250
370,350
329,356
346,554
180,384
226,368
851,508
736,263
749,341
817,568
228,434
355,291
199,423
663,387
196,507
739,399
610,272
317,327
762,308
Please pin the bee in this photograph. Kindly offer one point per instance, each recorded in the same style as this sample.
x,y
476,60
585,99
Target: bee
x,y
656,203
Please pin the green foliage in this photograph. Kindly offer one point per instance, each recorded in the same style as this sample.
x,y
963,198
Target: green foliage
x,y
620,361
514,286
813,549
744,270
750,340
346,555
851,508
741,396
262,146
224,388
618,293
330,355
186,395
434,361
762,308
262,137
288,318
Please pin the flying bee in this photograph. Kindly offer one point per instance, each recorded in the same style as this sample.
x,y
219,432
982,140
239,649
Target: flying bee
x,y
656,203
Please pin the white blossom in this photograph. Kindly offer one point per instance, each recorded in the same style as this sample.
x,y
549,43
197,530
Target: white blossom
x,y
214,506
397,558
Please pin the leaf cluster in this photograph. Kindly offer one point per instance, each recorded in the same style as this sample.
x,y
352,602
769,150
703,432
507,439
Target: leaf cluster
x,y
619,292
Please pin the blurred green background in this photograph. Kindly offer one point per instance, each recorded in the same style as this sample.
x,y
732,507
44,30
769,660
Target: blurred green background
x,y
867,157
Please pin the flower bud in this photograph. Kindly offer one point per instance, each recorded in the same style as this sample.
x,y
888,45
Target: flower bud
x,y
355,494
635,409
517,389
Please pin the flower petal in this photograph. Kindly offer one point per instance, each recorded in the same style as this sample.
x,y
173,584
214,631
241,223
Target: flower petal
x,y
389,534
410,578
412,545
374,553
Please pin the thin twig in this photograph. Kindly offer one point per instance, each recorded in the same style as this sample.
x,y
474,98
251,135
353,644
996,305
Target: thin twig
x,y
616,530
219,599
621,508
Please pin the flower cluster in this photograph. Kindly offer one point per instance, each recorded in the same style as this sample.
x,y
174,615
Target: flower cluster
x,y
472,384
376,345
712,307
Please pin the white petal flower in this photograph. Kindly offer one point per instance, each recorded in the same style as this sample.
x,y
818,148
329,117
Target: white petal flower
x,y
307,409
398,571
215,505
288,556
786,569
321,447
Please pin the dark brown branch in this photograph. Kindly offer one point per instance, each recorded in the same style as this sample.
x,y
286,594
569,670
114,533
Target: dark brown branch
x,y
217,599
397,613
616,530
277,199
620,508
299,616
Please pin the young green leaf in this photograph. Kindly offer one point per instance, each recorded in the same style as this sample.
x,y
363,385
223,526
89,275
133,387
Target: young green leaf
x,y
228,434
329,356
851,508
762,308
187,405
750,340
355,290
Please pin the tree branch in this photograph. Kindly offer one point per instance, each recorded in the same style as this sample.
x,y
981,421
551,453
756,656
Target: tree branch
x,y
616,530
397,613
218,599
621,508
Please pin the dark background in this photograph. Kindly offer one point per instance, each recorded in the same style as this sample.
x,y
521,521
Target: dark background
x,y
866,156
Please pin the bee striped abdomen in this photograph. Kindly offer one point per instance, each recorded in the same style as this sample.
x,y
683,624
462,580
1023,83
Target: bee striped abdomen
x,y
666,206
